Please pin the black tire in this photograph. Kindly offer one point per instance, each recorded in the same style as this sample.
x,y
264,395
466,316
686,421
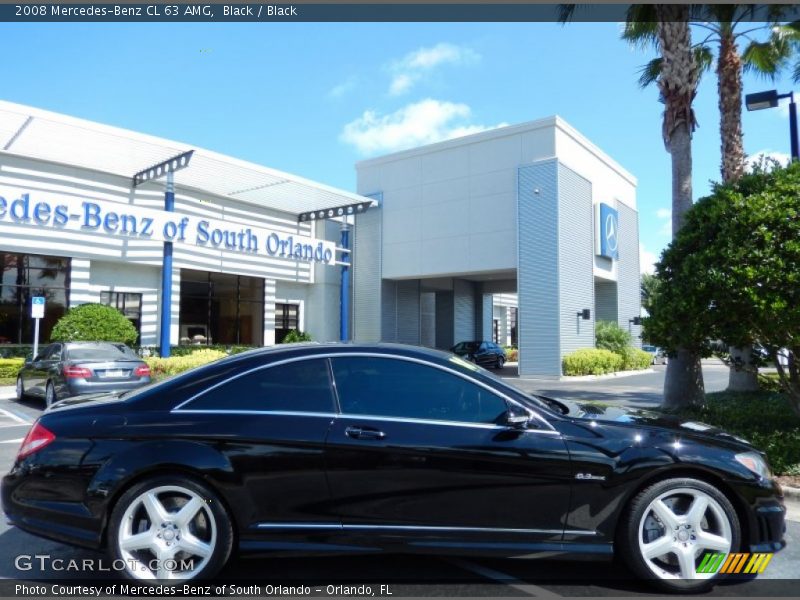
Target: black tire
x,y
20,389
500,362
629,533
221,523
50,396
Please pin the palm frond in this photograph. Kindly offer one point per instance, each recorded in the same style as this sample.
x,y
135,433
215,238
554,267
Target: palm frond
x,y
767,58
796,72
704,58
640,34
650,72
566,12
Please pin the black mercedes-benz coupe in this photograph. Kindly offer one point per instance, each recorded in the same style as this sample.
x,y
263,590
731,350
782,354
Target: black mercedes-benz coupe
x,y
360,448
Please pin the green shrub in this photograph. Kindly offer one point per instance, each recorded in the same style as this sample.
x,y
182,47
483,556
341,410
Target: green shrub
x,y
92,323
9,367
591,361
295,336
765,419
512,354
186,350
610,336
634,359
163,367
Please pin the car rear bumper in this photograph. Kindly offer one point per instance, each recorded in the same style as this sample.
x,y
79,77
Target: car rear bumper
x,y
77,387
67,522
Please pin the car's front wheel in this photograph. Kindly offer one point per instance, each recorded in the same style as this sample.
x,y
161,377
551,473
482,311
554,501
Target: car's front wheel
x,y
500,362
670,527
170,528
20,389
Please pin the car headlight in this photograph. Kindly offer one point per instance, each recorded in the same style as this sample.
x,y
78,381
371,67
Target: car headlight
x,y
754,462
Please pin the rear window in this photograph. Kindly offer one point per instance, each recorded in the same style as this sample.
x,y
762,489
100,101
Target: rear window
x,y
109,352
466,347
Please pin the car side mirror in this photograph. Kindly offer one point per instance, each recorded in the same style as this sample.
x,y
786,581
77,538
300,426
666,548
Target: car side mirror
x,y
517,421
29,359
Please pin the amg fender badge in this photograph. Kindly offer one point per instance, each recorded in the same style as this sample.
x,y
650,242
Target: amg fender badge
x,y
590,476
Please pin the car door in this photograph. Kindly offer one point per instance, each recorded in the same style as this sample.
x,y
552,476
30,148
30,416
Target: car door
x,y
270,422
419,448
37,375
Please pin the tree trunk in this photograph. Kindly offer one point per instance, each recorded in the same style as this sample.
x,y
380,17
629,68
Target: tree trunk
x,y
683,384
743,376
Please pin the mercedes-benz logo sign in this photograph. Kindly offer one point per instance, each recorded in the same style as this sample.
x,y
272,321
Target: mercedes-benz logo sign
x,y
611,233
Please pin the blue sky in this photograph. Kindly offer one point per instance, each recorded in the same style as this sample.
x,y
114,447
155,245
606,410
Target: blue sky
x,y
312,99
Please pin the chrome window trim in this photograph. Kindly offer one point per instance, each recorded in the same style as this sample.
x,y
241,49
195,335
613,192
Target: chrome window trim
x,y
282,413
438,422
359,527
364,354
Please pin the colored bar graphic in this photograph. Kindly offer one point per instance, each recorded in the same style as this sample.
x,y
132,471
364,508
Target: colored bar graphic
x,y
736,563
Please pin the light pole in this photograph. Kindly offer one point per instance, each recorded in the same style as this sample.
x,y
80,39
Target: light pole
x,y
165,169
769,99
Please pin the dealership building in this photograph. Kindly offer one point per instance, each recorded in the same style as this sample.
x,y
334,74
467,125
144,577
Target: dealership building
x,y
526,233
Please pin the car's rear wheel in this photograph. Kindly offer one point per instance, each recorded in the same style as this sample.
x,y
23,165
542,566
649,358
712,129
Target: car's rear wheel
x,y
20,389
671,526
500,362
50,394
170,528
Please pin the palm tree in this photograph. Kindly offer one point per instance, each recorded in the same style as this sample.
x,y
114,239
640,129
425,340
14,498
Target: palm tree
x,y
726,25
666,26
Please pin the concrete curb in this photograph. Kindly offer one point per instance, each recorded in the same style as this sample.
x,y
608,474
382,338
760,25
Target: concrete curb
x,y
616,375
791,494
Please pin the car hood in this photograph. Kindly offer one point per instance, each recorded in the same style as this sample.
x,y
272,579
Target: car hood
x,y
621,415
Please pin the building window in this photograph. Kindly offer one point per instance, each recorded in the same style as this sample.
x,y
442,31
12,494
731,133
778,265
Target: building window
x,y
129,304
25,276
219,308
287,317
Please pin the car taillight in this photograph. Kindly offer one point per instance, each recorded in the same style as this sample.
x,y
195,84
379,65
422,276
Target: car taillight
x,y
77,372
142,371
38,437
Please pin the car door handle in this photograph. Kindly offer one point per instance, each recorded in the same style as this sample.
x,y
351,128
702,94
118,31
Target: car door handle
x,y
364,433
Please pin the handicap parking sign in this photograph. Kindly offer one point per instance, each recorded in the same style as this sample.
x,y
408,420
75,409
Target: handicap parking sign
x,y
37,307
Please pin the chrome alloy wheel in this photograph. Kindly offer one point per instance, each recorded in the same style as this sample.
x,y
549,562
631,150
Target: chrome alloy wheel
x,y
678,528
167,532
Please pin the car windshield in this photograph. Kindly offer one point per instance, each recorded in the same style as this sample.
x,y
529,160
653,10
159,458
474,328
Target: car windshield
x,y
466,347
98,352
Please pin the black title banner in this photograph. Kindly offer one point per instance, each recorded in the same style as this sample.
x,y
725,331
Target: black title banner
x,y
325,12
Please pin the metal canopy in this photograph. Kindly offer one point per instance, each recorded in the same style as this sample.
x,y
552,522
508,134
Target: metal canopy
x,y
43,135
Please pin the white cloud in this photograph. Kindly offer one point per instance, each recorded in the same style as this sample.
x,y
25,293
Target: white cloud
x,y
416,124
647,260
342,88
665,214
415,65
757,157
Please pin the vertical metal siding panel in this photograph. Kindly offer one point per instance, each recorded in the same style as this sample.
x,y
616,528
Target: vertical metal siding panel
x,y
629,298
388,314
605,300
537,270
270,291
408,312
367,303
464,310
484,313
576,256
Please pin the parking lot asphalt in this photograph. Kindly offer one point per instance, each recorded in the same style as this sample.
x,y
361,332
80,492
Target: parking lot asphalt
x,y
413,576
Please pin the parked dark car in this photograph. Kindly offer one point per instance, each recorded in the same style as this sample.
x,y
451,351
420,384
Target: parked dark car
x,y
337,447
67,369
486,354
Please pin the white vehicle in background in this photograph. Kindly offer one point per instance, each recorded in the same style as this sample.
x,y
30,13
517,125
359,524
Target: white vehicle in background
x,y
659,356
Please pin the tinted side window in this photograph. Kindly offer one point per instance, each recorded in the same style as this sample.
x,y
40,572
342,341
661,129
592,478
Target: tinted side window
x,y
301,386
397,388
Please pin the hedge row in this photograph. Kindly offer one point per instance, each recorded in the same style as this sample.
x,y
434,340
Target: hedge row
x,y
9,367
163,367
597,361
763,418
